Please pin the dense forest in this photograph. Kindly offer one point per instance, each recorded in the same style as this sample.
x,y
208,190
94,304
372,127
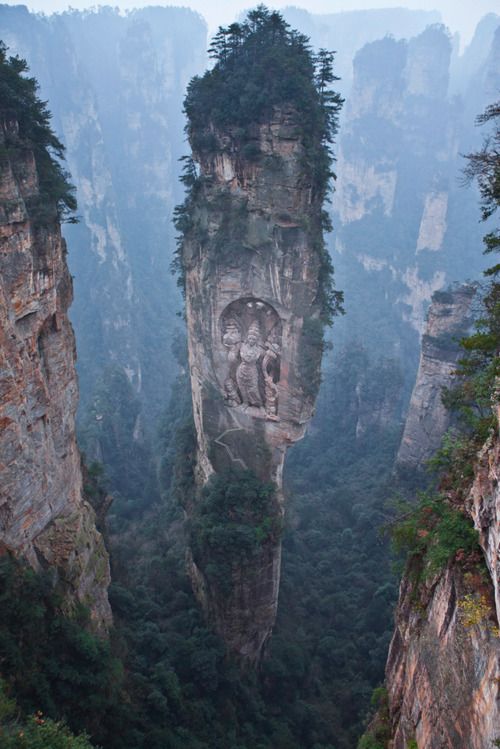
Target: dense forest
x,y
163,679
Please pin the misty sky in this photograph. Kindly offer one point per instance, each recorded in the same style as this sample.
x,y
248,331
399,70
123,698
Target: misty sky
x,y
459,15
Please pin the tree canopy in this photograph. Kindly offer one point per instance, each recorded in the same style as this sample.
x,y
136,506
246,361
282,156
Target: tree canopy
x,y
19,99
480,365
260,64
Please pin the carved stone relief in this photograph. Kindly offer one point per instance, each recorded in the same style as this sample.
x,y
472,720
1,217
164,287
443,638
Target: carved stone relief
x,y
251,335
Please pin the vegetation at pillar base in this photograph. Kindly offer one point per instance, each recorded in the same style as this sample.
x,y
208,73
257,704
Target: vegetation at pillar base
x,y
329,645
235,518
19,101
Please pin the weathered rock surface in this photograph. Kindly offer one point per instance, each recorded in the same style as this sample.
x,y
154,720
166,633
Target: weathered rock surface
x,y
252,315
43,515
443,670
484,508
449,319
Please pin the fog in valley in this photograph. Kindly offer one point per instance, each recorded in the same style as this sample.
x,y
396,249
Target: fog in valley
x,y
194,592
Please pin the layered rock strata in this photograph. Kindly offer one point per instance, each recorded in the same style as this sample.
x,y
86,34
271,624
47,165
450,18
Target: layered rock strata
x,y
43,515
443,670
252,286
449,319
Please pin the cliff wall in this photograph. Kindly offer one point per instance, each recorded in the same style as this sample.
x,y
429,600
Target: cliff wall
x,y
449,319
405,227
443,669
43,515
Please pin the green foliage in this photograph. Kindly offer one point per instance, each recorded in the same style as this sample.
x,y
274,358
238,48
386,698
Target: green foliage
x,y
50,662
235,517
454,463
479,368
334,622
39,733
437,529
379,733
110,433
311,348
36,732
260,65
19,101
434,532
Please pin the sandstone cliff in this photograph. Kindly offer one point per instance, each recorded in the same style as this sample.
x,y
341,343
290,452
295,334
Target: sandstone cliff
x,y
443,669
405,227
448,320
43,515
255,274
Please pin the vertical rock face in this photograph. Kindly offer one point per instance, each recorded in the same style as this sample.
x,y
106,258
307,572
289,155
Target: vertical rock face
x,y
443,670
43,515
449,318
398,87
252,280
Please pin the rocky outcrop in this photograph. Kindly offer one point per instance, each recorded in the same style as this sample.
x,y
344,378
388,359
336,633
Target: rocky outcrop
x,y
443,670
448,320
43,515
484,507
252,284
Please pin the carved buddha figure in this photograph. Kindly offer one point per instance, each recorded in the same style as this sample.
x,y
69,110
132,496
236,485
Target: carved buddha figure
x,y
247,373
232,339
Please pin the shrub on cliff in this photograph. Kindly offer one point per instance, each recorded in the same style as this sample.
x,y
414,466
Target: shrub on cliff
x,y
36,732
479,368
435,532
19,101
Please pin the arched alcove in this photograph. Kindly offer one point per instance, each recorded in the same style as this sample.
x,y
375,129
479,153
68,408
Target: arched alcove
x,y
251,332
